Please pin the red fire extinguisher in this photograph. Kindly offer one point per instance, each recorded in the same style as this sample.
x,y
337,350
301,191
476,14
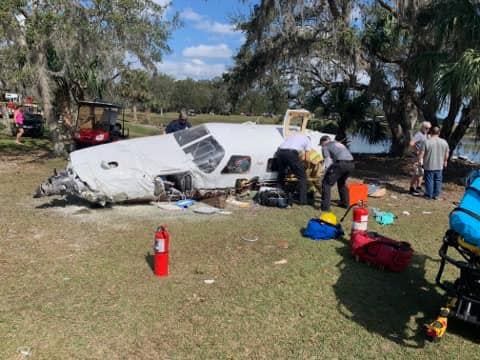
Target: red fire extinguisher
x,y
161,248
360,217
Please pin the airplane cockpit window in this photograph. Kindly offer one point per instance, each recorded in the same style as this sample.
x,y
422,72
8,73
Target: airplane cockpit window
x,y
206,153
186,136
237,165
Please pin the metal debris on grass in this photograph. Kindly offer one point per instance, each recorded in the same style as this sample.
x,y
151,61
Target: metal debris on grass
x,y
209,281
24,352
281,262
249,239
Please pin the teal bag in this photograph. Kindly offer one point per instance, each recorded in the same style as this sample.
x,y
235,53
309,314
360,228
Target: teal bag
x,y
384,217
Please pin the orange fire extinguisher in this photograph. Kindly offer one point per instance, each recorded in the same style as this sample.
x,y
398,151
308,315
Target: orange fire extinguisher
x,y
161,248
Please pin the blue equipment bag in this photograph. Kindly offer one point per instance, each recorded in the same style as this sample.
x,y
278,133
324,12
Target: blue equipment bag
x,y
319,230
465,219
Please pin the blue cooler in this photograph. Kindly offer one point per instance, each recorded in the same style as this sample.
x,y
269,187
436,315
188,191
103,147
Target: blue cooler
x,y
465,219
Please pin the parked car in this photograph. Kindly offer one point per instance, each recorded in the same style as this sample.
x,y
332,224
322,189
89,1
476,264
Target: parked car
x,y
33,125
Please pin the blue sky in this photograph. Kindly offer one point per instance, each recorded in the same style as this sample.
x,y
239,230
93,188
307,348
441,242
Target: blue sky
x,y
203,47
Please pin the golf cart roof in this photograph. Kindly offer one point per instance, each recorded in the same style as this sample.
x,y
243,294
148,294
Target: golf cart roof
x,y
99,103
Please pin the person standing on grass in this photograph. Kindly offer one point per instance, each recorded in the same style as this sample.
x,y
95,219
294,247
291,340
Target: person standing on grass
x,y
340,165
18,117
434,157
416,143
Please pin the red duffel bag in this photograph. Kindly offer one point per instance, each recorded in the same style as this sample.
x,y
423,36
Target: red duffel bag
x,y
381,251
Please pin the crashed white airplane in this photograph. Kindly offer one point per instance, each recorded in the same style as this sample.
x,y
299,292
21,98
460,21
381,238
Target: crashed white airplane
x,y
200,160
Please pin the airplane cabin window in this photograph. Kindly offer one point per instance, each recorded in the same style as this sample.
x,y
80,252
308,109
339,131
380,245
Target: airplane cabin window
x,y
186,136
206,153
238,164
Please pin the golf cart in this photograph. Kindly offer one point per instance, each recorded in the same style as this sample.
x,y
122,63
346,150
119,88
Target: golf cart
x,y
97,124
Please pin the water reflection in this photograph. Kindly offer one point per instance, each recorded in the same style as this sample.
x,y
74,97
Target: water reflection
x,y
359,144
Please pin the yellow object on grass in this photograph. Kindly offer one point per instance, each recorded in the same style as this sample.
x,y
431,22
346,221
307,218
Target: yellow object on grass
x,y
329,217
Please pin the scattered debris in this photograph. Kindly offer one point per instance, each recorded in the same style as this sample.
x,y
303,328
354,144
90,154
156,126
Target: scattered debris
x,y
241,204
406,213
167,206
207,210
395,197
426,212
185,203
24,352
224,212
250,239
209,281
283,244
281,262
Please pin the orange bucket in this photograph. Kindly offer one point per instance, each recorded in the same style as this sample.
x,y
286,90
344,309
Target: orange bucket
x,y
357,192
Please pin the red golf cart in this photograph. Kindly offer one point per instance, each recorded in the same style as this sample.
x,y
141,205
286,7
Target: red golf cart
x,y
98,123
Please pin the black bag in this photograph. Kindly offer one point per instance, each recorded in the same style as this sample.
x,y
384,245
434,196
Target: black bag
x,y
273,198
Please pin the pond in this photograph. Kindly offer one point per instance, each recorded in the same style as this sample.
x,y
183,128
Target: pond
x,y
358,144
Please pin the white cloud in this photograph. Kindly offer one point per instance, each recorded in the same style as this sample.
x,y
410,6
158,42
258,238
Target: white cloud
x,y
162,2
220,51
189,14
216,27
195,69
203,23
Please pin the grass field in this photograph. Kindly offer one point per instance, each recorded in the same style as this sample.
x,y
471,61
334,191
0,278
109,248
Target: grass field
x,y
76,282
157,119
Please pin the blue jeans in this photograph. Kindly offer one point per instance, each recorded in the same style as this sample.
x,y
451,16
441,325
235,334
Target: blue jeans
x,y
433,183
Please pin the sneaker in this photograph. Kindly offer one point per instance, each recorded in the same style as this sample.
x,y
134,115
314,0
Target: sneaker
x,y
414,192
419,189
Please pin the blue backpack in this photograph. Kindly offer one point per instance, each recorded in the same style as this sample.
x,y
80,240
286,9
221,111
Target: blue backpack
x,y
465,219
319,230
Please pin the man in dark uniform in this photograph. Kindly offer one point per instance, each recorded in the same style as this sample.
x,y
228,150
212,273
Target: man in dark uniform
x,y
178,124
339,165
288,157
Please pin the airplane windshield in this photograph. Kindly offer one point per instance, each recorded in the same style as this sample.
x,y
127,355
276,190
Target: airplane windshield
x,y
206,153
186,136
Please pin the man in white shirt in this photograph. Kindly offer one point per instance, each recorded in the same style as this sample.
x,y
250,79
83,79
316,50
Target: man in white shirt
x,y
416,144
288,157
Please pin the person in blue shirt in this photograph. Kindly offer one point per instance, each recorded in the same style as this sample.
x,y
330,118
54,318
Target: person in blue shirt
x,y
178,124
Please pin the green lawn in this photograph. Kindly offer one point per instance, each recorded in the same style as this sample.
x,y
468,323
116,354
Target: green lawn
x,y
78,284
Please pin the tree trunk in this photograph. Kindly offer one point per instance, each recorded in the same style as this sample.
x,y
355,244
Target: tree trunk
x,y
400,115
449,122
460,130
134,109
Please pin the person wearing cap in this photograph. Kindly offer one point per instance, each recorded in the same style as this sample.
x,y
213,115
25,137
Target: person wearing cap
x,y
339,162
178,124
416,144
288,157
